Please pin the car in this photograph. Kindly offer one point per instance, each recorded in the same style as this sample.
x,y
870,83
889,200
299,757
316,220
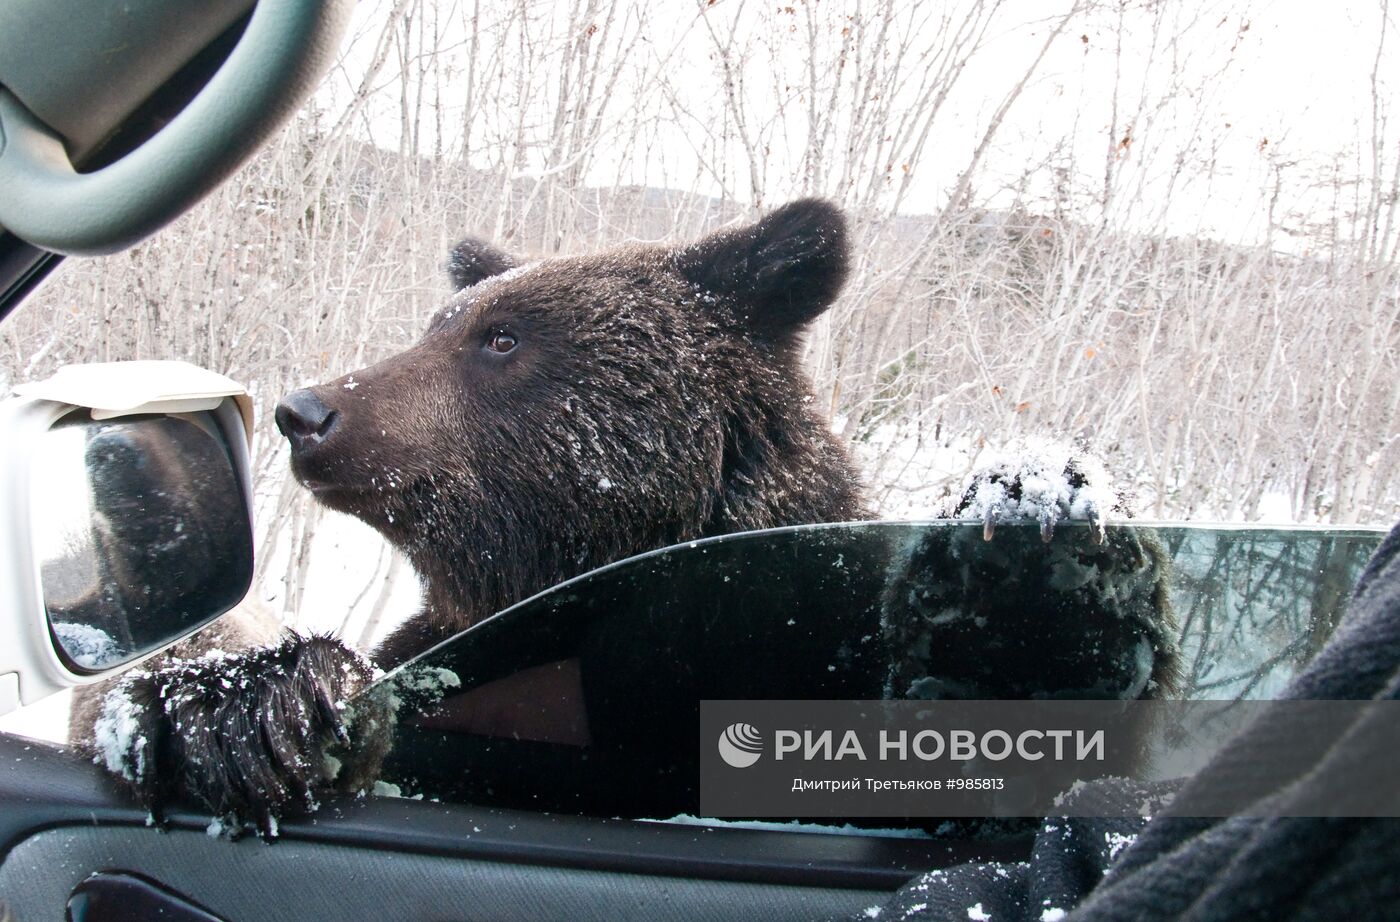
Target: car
x,y
491,804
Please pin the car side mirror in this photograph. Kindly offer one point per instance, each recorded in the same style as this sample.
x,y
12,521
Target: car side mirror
x,y
126,520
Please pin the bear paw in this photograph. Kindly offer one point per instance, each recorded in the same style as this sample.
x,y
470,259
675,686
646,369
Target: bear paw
x,y
248,735
1040,481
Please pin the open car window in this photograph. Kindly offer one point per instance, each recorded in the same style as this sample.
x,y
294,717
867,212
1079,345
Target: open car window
x,y
585,698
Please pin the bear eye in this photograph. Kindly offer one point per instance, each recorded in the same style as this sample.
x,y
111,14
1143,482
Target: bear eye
x,y
501,343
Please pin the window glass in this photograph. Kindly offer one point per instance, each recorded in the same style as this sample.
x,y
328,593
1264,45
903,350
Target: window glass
x,y
586,697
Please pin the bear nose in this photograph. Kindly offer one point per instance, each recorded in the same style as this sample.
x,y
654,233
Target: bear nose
x,y
304,419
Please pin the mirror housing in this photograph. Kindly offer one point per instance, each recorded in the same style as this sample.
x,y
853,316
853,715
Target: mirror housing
x,y
125,519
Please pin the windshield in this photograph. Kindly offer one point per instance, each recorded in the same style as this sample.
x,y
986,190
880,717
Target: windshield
x,y
586,697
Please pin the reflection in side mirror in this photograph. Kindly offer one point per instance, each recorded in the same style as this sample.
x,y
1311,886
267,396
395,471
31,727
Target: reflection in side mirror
x,y
141,530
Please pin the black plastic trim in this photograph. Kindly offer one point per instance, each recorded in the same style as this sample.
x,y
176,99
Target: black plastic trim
x,y
120,896
22,267
44,786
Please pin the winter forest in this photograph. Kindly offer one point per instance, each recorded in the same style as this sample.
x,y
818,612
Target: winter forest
x,y
1169,228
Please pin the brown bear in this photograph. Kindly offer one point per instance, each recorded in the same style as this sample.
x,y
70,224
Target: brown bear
x,y
562,415
555,416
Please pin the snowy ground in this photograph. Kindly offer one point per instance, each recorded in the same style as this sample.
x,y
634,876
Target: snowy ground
x,y
348,565
909,475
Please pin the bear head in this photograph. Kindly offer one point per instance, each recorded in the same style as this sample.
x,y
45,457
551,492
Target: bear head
x,y
561,414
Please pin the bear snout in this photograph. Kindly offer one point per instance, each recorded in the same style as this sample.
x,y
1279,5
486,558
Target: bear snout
x,y
305,420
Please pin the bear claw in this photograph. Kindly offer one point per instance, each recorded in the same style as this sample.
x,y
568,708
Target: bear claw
x,y
243,735
1041,482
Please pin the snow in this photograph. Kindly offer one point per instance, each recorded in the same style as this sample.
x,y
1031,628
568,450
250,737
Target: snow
x,y
914,476
514,272
1142,671
1052,914
975,913
116,734
911,476
1046,493
347,565
1117,841
86,645
429,680
420,685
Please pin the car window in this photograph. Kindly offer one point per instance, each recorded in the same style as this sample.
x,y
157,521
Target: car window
x,y
586,697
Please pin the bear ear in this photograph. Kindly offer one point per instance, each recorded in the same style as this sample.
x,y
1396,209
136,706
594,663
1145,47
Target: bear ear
x,y
784,271
472,260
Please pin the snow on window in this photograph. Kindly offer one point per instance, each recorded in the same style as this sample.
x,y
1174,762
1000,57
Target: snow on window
x,y
1032,480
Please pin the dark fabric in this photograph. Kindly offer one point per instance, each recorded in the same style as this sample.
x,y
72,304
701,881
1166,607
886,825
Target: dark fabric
x,y
1212,870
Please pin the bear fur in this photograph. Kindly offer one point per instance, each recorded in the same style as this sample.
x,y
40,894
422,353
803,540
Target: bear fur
x,y
653,396
555,416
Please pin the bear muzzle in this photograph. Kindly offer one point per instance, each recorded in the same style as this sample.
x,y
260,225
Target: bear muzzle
x,y
305,421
